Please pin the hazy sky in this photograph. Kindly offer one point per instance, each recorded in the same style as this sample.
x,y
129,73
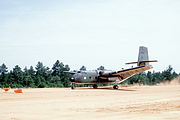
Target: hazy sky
x,y
89,32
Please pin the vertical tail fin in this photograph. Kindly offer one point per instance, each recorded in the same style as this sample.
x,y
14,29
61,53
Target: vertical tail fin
x,y
143,58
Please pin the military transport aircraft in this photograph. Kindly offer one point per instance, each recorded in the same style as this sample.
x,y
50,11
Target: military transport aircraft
x,y
96,77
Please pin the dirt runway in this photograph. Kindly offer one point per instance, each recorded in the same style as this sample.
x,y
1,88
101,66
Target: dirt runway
x,y
127,103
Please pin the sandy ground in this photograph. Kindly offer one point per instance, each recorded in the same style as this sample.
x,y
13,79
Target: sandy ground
x,y
128,103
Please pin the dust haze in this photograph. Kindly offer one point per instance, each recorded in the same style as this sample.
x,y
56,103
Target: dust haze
x,y
175,81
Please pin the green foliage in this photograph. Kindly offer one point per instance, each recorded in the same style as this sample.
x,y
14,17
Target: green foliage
x,y
169,74
83,68
101,68
56,69
3,69
152,78
42,76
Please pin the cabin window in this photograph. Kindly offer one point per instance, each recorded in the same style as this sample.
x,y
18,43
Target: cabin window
x,y
90,77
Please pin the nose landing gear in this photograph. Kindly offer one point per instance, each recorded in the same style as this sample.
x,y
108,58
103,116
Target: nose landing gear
x,y
73,86
95,86
115,87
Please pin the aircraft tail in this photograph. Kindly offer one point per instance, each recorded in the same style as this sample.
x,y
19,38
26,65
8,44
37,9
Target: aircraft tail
x,y
143,58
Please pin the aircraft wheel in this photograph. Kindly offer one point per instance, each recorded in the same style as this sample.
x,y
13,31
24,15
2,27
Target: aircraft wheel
x,y
73,86
95,86
115,86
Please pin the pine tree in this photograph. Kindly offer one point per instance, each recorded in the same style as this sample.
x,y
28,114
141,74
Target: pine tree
x,y
83,68
101,68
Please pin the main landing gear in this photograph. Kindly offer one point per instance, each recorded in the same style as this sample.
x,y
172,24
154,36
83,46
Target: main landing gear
x,y
115,87
95,86
73,86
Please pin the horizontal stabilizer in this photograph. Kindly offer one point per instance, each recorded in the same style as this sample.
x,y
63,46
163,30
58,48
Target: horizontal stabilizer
x,y
143,58
142,62
132,63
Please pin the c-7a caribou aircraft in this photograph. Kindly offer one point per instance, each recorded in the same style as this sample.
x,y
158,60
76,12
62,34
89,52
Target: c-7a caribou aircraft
x,y
96,77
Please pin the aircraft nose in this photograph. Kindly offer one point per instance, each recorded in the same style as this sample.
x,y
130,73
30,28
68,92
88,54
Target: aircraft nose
x,y
72,79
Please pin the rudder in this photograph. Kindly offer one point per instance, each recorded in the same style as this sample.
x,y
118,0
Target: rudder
x,y
143,56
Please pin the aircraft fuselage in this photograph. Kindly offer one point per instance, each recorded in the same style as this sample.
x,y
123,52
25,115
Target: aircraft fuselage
x,y
92,77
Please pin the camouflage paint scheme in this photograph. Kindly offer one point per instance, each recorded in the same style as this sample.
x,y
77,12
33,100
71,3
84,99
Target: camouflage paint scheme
x,y
95,77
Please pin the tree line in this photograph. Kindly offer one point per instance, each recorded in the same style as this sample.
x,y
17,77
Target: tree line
x,y
38,77
153,78
42,76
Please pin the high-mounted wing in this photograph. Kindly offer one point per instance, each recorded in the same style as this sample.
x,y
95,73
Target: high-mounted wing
x,y
126,73
70,72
